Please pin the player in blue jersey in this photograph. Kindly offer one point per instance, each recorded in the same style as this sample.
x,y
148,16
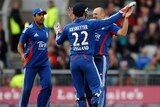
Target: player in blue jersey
x,y
102,45
81,35
32,48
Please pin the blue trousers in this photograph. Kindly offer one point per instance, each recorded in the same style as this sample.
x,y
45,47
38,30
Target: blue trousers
x,y
84,69
45,81
102,63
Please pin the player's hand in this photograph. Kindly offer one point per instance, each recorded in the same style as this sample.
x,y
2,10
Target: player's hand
x,y
23,57
130,11
57,28
70,14
127,7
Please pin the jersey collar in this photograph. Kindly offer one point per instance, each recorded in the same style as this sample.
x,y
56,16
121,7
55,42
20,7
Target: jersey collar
x,y
34,25
78,20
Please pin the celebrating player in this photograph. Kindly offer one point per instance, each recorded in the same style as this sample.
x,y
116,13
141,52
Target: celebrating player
x,y
102,44
81,35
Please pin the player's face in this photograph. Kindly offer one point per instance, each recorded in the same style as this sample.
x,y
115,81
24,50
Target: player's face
x,y
96,14
39,18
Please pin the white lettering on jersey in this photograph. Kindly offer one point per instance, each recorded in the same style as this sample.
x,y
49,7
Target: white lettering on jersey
x,y
76,48
76,28
41,45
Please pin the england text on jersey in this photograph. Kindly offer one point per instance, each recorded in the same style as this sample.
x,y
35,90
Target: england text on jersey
x,y
80,48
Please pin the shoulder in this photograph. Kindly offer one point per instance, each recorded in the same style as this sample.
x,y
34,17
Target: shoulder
x,y
111,26
68,26
25,30
46,28
28,29
91,22
91,19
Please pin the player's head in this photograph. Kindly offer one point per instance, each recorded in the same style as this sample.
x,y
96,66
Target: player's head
x,y
38,15
80,10
98,13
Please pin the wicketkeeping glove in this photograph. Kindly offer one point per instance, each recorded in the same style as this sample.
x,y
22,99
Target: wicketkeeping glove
x,y
57,28
125,9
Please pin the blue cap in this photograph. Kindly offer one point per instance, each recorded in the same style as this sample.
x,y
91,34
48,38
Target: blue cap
x,y
79,9
38,10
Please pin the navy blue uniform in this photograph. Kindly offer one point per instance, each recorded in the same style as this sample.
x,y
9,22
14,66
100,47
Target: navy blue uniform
x,y
102,44
36,62
101,57
81,34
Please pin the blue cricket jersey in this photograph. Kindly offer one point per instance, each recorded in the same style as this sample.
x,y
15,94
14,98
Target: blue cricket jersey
x,y
104,38
36,45
81,34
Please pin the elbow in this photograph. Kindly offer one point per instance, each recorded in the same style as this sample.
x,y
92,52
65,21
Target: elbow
x,y
122,33
20,47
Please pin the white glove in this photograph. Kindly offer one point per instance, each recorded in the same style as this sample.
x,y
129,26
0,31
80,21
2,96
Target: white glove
x,y
125,9
57,28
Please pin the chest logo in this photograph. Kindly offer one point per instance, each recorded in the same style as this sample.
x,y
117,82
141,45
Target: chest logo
x,y
41,45
97,36
36,35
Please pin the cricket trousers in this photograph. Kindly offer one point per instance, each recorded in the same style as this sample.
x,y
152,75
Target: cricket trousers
x,y
102,64
45,82
83,69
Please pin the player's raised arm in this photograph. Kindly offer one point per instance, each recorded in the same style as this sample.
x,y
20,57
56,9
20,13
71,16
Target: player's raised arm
x,y
123,31
101,23
61,36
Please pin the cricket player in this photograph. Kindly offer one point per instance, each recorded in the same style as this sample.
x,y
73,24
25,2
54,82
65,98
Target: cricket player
x,y
102,44
81,35
32,48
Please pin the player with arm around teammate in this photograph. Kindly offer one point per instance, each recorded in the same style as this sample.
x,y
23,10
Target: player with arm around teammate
x,y
32,48
80,34
103,40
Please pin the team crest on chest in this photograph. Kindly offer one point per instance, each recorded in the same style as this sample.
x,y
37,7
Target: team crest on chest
x,y
97,36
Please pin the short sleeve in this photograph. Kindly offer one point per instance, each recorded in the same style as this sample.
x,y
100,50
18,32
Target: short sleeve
x,y
24,36
114,28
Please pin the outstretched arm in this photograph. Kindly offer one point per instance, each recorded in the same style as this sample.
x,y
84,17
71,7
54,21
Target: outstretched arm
x,y
123,31
124,11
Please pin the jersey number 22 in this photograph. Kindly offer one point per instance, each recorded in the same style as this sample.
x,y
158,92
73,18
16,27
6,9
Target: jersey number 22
x,y
84,42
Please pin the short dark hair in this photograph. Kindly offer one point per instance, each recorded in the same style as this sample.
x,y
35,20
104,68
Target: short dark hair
x,y
79,9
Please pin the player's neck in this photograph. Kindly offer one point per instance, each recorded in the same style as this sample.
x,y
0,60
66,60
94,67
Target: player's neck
x,y
39,25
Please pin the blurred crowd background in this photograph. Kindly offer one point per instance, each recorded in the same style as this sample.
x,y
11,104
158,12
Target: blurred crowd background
x,y
134,59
